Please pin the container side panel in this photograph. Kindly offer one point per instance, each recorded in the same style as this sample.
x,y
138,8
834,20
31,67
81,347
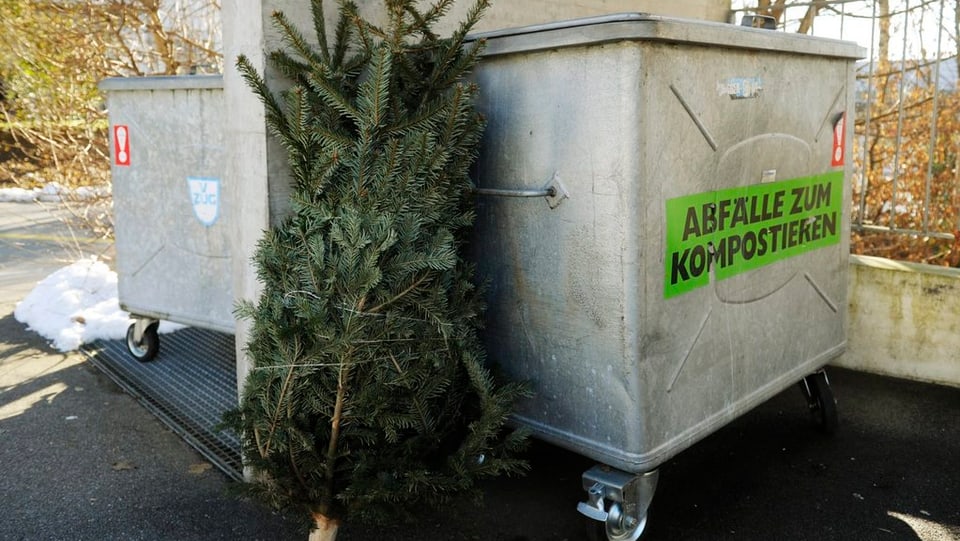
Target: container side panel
x,y
173,252
556,276
641,323
742,150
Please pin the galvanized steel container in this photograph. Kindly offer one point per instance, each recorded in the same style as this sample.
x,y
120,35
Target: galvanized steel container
x,y
171,216
691,259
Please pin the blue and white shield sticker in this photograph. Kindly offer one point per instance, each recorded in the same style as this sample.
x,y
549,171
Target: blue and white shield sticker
x,y
205,196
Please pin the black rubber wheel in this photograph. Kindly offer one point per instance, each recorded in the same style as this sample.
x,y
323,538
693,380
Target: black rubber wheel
x,y
148,347
822,403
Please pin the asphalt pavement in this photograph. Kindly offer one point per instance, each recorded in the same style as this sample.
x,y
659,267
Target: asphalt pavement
x,y
81,460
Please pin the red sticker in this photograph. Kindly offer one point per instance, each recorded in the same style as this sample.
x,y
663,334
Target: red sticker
x,y
121,145
839,136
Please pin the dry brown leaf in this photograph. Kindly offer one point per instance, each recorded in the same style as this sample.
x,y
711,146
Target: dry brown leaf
x,y
123,465
202,467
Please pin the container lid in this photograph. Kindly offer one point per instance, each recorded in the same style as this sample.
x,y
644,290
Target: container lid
x,y
646,27
161,82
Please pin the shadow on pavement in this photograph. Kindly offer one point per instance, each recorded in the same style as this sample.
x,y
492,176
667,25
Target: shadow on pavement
x,y
82,460
889,473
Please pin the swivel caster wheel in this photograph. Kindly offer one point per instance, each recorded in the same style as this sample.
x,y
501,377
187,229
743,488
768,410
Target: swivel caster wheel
x,y
820,400
617,503
145,348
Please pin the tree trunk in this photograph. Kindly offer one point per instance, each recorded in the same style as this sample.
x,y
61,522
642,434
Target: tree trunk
x,y
325,528
806,24
883,43
773,10
956,36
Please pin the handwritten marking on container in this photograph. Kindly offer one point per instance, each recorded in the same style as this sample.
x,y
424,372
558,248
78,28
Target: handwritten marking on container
x,y
741,88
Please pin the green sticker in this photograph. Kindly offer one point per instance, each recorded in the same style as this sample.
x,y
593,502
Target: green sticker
x,y
739,229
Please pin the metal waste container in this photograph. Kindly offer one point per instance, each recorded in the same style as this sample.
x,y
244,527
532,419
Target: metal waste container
x,y
167,163
663,225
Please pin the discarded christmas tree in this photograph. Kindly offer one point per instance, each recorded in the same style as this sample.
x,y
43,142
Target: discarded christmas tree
x,y
368,396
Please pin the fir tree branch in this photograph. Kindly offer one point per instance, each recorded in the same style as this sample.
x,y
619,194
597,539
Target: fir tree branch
x,y
332,96
375,91
281,401
296,470
320,27
377,309
344,24
364,28
427,19
372,360
314,281
415,398
274,113
288,66
296,41
335,419
260,447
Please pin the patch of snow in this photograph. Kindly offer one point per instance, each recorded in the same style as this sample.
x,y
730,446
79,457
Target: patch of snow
x,y
76,305
18,195
52,192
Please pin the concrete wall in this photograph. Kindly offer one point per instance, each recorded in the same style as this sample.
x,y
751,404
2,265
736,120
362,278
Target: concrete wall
x,y
512,13
505,14
903,320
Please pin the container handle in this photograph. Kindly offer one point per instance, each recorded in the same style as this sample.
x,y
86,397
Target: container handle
x,y
553,192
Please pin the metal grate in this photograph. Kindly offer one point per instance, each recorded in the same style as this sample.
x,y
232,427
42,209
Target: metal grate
x,y
189,386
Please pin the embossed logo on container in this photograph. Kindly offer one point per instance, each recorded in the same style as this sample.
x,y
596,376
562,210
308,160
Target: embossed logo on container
x,y
205,198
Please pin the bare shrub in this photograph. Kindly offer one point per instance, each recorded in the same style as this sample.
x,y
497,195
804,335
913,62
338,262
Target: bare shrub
x,y
53,125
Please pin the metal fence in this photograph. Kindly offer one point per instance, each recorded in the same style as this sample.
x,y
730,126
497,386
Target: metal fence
x,y
907,124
